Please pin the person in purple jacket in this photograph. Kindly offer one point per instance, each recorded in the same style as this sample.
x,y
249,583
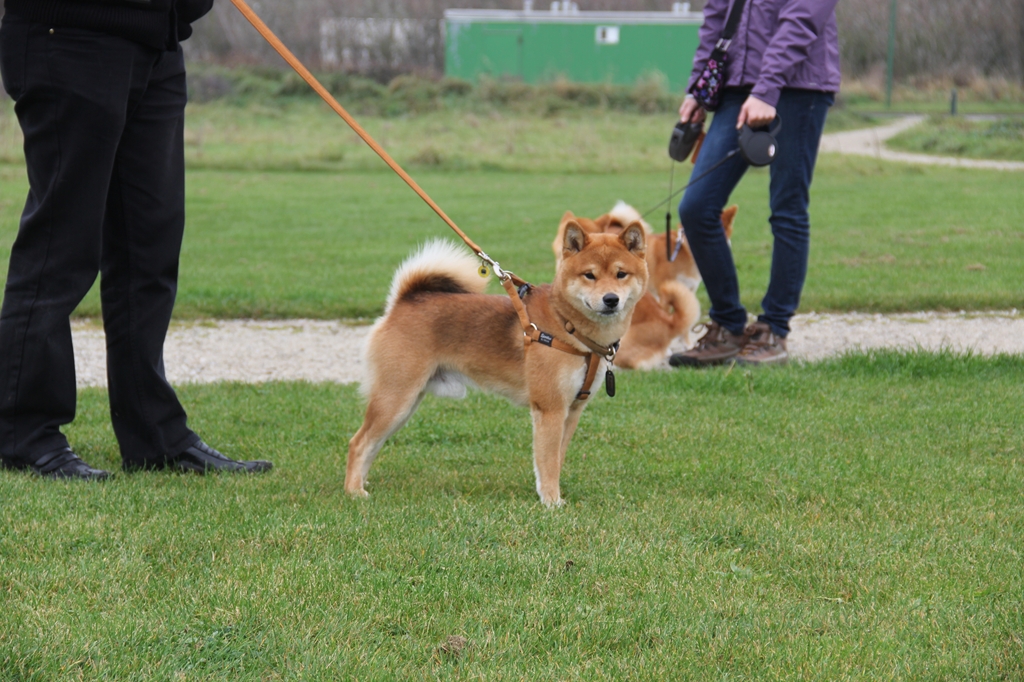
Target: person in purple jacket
x,y
783,61
99,91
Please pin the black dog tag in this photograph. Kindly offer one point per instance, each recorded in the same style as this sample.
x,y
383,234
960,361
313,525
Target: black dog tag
x,y
609,383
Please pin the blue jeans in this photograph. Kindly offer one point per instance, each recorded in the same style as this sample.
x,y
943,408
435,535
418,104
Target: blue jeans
x,y
803,118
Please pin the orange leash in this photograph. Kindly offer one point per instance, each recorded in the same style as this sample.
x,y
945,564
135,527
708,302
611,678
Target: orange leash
x,y
300,69
508,280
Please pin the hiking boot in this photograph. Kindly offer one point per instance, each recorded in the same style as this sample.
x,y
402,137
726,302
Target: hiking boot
x,y
764,347
718,345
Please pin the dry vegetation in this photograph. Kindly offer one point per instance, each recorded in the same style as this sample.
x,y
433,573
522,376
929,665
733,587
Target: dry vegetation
x,y
935,38
937,41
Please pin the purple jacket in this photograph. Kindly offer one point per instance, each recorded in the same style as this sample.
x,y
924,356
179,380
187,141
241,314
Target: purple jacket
x,y
778,44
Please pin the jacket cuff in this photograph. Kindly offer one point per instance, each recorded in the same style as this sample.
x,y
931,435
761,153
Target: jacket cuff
x,y
693,79
767,94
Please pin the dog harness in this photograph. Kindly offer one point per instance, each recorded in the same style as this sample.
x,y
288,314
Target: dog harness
x,y
517,289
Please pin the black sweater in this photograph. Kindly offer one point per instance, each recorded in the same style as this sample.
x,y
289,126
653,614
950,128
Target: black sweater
x,y
156,23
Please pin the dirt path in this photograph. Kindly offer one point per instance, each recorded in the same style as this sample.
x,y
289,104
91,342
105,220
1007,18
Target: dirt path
x,y
871,142
248,351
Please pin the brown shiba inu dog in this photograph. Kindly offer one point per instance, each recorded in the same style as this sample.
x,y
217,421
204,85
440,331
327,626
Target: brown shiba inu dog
x,y
682,268
670,308
440,333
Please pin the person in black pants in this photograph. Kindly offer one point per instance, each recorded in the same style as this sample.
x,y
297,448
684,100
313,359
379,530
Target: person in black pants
x,y
99,90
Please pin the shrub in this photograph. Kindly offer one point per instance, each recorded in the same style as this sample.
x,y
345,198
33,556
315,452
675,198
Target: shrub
x,y
414,94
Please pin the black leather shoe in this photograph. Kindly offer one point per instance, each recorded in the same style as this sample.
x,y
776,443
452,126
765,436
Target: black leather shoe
x,y
202,459
64,463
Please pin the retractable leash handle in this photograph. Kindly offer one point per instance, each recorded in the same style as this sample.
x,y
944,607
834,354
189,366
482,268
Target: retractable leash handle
x,y
300,69
684,137
758,147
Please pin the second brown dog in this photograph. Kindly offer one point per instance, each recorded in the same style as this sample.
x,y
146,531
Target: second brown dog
x,y
670,307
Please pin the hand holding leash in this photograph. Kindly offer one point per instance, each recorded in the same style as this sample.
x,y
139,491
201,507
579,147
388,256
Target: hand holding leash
x,y
758,146
690,111
755,113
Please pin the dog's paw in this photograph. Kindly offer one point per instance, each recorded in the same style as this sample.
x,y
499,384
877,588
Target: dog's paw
x,y
359,494
553,503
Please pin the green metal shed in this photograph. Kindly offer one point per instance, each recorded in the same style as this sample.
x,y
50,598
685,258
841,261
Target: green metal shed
x,y
586,47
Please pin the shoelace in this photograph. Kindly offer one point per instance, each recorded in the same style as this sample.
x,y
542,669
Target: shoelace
x,y
712,334
758,337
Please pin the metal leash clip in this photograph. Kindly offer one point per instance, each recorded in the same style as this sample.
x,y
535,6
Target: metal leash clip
x,y
678,246
612,352
501,274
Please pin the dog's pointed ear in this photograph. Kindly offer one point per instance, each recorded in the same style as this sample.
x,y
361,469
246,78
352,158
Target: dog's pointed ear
x,y
575,238
635,239
567,216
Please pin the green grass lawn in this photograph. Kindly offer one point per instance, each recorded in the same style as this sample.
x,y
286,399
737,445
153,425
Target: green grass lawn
x,y
291,215
302,134
305,135
1002,139
886,237
852,520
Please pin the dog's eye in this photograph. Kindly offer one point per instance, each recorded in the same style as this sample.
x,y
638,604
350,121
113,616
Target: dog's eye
x,y
589,275
623,275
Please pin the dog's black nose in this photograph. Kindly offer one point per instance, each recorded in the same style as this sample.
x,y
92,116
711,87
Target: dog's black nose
x,y
611,300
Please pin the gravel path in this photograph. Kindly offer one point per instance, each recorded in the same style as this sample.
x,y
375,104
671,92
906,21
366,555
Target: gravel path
x,y
249,351
239,350
871,142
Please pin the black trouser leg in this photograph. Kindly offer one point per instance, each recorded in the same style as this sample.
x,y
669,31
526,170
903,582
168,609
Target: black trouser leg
x,y
142,234
71,130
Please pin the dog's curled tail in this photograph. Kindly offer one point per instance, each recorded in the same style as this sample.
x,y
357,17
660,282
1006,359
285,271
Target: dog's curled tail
x,y
624,214
682,307
438,265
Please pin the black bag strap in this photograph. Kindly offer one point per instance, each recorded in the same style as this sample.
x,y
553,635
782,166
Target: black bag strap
x,y
731,24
